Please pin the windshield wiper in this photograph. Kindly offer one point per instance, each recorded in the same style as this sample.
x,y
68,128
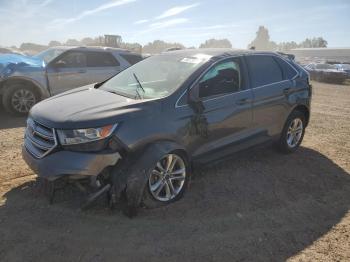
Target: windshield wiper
x,y
139,86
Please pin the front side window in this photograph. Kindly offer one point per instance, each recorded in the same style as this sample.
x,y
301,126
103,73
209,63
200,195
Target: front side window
x,y
223,78
155,77
49,54
263,70
72,60
101,59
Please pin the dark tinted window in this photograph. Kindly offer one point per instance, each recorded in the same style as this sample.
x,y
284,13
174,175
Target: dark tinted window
x,y
263,70
101,59
288,71
221,79
131,58
72,59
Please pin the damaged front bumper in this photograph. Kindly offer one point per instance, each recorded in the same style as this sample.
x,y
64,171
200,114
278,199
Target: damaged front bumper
x,y
68,163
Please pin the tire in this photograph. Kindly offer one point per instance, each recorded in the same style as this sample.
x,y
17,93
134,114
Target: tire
x,y
295,122
150,200
12,95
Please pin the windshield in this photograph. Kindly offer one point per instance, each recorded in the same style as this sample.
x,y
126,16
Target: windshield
x,y
156,76
49,54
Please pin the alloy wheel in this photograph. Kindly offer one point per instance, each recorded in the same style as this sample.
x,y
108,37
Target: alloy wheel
x,y
167,178
22,100
295,132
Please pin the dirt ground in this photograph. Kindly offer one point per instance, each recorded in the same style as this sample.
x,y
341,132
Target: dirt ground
x,y
255,206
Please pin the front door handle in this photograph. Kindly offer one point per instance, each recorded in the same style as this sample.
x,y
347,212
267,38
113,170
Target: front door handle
x,y
243,101
82,71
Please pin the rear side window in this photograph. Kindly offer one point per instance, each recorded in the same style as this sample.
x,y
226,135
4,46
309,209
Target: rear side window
x,y
263,70
132,59
101,59
288,71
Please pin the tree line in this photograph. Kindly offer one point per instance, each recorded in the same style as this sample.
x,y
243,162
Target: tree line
x,y
260,42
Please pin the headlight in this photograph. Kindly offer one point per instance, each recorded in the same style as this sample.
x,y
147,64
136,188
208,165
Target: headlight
x,y
80,136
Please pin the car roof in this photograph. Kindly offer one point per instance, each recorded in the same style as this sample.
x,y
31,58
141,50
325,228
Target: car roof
x,y
217,53
94,48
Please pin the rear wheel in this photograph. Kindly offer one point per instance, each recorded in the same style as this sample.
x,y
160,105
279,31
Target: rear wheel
x,y
293,132
18,99
167,181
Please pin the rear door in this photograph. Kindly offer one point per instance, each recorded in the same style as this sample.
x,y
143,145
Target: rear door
x,y
271,84
68,71
130,58
227,107
101,65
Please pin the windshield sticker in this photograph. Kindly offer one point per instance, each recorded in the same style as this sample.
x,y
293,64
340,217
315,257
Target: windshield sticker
x,y
196,59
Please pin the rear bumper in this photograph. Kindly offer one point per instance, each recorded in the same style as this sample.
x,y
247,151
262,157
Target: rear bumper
x,y
70,163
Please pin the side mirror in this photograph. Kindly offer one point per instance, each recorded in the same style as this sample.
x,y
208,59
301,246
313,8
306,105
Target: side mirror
x,y
193,100
193,94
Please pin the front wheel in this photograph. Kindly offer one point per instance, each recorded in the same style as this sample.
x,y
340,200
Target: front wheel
x,y
18,99
167,181
293,132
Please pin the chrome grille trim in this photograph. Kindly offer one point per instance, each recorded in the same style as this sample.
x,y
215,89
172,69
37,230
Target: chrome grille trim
x,y
39,140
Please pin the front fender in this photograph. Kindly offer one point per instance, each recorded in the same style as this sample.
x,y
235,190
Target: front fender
x,y
39,84
131,177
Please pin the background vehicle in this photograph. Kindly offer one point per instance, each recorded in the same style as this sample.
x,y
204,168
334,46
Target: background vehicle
x,y
151,122
326,73
344,68
26,80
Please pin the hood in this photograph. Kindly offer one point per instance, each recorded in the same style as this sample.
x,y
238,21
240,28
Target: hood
x,y
86,107
19,60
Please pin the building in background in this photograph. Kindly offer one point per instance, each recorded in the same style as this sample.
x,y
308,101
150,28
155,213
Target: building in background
x,y
110,40
113,40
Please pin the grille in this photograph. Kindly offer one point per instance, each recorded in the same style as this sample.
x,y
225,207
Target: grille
x,y
39,140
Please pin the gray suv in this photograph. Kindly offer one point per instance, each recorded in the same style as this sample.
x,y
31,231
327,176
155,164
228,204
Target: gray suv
x,y
139,134
26,80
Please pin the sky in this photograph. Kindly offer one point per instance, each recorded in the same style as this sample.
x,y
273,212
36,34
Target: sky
x,y
188,22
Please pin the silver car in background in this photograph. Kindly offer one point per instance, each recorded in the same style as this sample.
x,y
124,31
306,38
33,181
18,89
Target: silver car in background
x,y
24,80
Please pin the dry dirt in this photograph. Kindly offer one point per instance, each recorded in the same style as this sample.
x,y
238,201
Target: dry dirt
x,y
255,206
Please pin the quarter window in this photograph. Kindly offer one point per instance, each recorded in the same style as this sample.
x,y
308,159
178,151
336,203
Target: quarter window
x,y
101,59
221,79
288,71
264,70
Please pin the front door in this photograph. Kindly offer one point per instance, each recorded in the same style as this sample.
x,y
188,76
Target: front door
x,y
225,116
68,71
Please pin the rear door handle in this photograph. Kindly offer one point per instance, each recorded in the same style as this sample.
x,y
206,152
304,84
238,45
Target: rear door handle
x,y
82,71
243,101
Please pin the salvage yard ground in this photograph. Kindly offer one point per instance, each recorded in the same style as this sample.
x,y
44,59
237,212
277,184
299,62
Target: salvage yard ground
x,y
255,206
